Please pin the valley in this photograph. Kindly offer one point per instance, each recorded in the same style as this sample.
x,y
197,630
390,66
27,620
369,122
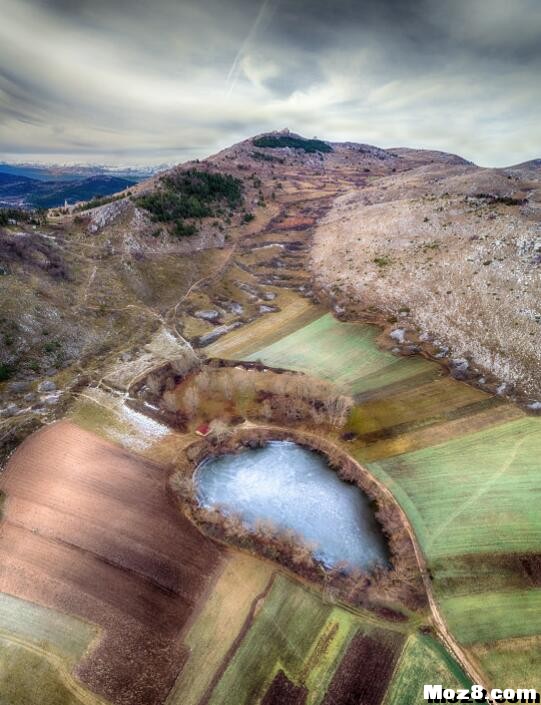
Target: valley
x,y
258,328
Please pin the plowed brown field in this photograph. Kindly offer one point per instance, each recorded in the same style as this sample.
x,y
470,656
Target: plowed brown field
x,y
90,530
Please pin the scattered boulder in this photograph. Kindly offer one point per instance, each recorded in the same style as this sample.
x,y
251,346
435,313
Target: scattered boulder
x,y
47,386
11,410
459,368
209,338
535,406
442,351
207,314
398,334
234,307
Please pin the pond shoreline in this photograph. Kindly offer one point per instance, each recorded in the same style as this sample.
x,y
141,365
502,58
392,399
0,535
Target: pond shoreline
x,y
382,589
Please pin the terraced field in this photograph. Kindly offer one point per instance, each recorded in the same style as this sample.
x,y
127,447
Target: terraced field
x,y
87,521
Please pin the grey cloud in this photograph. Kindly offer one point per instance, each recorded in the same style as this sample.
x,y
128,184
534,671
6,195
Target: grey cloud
x,y
110,79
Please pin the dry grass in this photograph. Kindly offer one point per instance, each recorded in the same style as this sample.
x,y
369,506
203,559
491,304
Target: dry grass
x,y
463,267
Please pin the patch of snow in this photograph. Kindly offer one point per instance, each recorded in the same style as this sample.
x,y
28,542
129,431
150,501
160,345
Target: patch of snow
x,y
398,334
143,423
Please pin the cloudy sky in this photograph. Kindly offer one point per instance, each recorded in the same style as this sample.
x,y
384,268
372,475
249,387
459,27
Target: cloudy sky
x,y
154,81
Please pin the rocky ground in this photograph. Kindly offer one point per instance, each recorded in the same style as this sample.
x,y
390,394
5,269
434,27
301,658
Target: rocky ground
x,y
448,253
453,255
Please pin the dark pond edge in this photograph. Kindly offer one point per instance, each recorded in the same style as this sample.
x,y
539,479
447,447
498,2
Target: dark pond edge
x,y
384,590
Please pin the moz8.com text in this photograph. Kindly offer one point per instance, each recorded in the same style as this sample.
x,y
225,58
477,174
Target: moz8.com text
x,y
477,694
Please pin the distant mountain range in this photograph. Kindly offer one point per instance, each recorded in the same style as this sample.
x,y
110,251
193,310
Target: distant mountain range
x,y
76,172
24,192
44,186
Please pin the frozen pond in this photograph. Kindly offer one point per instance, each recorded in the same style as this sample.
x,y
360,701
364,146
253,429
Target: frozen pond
x,y
294,488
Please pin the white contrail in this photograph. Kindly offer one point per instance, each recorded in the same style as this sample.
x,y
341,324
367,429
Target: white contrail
x,y
266,9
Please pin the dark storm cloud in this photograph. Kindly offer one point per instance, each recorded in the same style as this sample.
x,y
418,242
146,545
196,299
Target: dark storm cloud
x,y
119,79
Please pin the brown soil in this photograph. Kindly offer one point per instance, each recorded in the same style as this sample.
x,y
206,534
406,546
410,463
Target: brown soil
x,y
88,529
283,692
365,670
491,571
295,223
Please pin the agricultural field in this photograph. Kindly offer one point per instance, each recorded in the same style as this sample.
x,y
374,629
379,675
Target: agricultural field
x,y
87,519
342,353
464,465
250,626
423,660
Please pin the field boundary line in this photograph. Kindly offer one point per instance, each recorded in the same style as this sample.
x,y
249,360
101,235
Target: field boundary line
x,y
84,694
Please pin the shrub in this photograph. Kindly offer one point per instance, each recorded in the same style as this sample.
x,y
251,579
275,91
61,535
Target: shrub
x,y
281,141
18,215
183,229
51,346
6,371
206,187
262,157
506,200
96,202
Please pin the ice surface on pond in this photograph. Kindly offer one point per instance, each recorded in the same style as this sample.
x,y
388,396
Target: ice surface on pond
x,y
294,488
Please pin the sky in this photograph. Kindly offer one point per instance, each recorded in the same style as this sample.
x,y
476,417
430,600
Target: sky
x,y
163,81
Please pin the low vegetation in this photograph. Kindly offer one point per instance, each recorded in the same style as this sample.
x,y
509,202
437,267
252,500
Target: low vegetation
x,y
192,195
282,141
10,216
97,202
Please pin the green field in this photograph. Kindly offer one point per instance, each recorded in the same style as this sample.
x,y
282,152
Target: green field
x,y
306,638
473,494
60,633
39,648
512,662
30,678
463,465
282,635
495,615
343,353
423,661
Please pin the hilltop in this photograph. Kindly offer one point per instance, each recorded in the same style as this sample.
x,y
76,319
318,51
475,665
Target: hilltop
x,y
442,252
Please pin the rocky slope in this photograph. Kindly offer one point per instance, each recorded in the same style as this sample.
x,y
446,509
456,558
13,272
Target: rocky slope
x,y
451,252
422,237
